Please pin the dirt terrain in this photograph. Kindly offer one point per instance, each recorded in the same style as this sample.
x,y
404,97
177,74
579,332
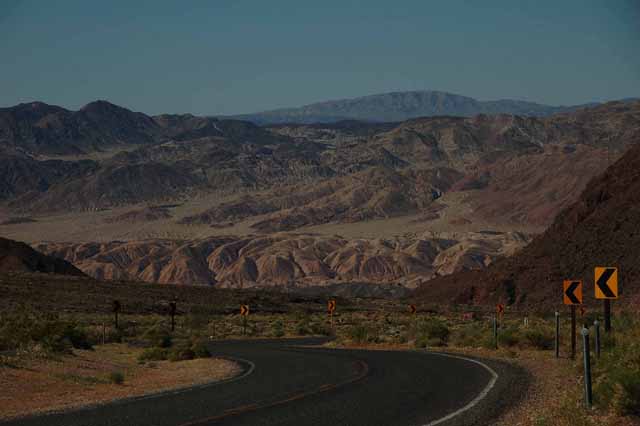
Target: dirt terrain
x,y
72,381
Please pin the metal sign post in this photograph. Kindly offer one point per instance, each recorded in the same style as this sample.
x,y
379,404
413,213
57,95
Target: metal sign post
x,y
606,288
573,331
331,307
596,326
244,311
116,309
572,295
588,395
172,311
607,315
557,334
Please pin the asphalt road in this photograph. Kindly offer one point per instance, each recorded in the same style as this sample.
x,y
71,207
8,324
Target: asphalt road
x,y
286,384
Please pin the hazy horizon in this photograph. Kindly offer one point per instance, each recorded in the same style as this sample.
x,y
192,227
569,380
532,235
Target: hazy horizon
x,y
228,58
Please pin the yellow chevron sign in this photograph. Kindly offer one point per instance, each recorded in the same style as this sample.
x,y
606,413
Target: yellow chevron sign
x,y
572,294
244,310
606,279
331,306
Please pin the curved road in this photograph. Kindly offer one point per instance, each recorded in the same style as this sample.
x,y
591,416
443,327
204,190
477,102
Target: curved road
x,y
286,384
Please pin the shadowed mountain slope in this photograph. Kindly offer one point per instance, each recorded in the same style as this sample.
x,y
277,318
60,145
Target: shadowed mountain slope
x,y
602,228
19,257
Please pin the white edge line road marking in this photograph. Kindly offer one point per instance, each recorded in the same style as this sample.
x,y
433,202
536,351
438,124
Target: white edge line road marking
x,y
477,399
252,367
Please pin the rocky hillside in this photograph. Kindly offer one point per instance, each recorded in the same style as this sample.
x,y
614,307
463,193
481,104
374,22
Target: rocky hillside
x,y
39,129
298,260
400,106
513,169
239,190
19,257
602,228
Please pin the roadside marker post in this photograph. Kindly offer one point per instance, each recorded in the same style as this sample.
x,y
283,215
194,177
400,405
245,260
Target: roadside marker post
x,y
412,309
606,288
172,311
244,312
572,295
573,331
557,334
500,310
588,395
331,307
499,315
116,309
596,326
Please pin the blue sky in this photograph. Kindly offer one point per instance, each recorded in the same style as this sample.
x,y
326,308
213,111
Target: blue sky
x,y
226,57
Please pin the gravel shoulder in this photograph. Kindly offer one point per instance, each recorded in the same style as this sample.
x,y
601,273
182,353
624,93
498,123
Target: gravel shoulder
x,y
84,378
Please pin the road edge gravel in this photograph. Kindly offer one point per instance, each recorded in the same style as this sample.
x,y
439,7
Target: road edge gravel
x,y
247,367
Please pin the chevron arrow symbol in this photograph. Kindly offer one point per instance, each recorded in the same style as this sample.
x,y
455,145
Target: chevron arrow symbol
x,y
603,282
569,293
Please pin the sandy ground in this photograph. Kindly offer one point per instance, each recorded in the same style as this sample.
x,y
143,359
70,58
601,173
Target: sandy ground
x,y
91,226
69,381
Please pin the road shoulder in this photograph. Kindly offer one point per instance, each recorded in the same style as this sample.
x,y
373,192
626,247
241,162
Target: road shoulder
x,y
90,378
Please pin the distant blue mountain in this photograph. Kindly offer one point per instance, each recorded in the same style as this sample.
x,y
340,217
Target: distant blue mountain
x,y
399,106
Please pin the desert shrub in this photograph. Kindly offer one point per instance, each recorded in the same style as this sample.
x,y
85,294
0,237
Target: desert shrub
x,y
432,332
181,353
358,333
421,342
302,328
319,328
154,354
617,374
539,338
77,335
116,377
158,335
196,319
200,349
278,328
111,335
509,337
624,321
26,328
472,335
625,399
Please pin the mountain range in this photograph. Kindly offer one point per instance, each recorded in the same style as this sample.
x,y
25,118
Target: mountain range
x,y
226,202
400,106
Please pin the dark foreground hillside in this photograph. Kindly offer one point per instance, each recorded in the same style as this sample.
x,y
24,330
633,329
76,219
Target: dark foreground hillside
x,y
19,257
601,229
